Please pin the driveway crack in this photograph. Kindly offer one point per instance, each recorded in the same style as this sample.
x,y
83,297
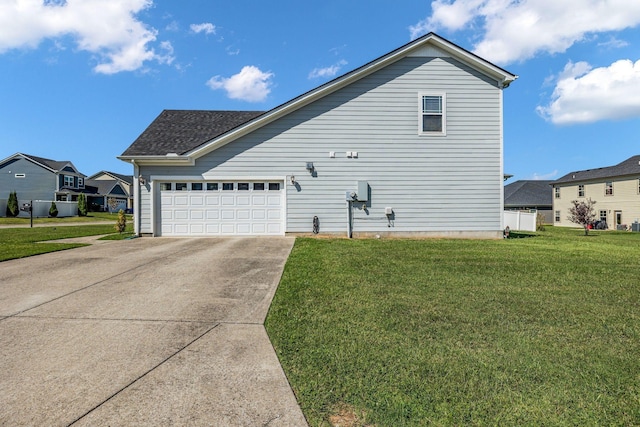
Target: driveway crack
x,y
143,375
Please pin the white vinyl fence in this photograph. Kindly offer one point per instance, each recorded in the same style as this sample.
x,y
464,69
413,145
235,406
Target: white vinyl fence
x,y
524,221
41,208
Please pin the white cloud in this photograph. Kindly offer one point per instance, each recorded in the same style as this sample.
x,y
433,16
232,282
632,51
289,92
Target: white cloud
x,y
543,177
206,27
516,30
107,28
250,84
326,72
584,94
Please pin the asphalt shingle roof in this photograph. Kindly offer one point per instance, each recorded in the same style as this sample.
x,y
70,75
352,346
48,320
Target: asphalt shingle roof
x,y
528,193
631,166
180,131
52,164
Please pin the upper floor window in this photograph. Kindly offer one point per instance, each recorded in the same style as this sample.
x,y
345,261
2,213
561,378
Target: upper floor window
x,y
608,188
80,182
556,191
581,190
432,114
68,181
638,185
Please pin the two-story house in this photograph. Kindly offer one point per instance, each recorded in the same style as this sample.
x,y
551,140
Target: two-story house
x,y
37,178
113,191
409,144
615,189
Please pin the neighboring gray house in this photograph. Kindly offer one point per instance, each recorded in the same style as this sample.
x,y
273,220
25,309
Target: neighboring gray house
x,y
37,178
409,144
112,191
530,196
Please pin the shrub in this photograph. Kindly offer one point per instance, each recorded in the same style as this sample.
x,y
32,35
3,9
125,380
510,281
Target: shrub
x,y
82,205
539,222
53,210
121,224
12,205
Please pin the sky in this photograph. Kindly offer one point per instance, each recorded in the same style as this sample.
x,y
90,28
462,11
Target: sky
x,y
80,80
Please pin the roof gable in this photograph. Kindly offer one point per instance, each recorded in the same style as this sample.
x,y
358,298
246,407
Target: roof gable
x,y
631,166
183,136
112,175
51,165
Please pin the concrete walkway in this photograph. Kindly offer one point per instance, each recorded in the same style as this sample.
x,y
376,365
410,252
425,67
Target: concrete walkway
x,y
149,331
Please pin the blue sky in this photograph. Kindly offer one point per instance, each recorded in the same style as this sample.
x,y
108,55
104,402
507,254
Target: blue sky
x,y
81,79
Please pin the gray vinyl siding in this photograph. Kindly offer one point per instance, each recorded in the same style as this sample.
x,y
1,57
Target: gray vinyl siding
x,y
37,184
449,183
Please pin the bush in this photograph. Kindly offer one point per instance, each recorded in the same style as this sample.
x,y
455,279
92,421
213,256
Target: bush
x,y
539,222
121,224
12,205
53,210
82,205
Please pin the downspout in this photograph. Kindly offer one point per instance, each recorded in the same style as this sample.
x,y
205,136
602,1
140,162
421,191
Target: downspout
x,y
136,199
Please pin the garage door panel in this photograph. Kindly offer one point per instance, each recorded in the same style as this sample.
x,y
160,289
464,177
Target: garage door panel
x,y
226,214
196,200
221,212
181,214
227,228
181,200
274,214
259,214
228,200
260,200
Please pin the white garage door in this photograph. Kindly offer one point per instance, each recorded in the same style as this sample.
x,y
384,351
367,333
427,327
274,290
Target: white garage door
x,y
221,208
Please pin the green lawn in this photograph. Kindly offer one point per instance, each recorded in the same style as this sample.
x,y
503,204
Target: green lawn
x,y
91,217
23,242
542,330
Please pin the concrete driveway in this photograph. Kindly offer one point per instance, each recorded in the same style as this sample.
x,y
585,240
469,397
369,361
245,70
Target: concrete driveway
x,y
151,331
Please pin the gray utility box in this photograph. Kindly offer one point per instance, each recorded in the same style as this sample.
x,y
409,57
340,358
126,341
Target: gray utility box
x,y
363,191
635,226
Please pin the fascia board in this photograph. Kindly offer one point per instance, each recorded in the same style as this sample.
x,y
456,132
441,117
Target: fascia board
x,y
159,160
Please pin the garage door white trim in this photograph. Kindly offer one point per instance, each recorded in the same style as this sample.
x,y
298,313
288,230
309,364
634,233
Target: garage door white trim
x,y
219,207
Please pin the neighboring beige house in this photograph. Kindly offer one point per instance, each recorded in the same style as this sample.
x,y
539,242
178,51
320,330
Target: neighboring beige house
x,y
111,185
615,189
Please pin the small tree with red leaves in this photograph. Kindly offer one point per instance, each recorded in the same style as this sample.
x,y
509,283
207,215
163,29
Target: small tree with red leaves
x,y
582,213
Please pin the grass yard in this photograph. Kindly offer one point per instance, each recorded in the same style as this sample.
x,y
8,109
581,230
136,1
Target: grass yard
x,y
91,217
542,330
24,242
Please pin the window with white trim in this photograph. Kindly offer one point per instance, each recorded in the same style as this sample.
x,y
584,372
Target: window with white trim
x,y
68,181
557,192
432,114
608,188
603,215
80,182
557,216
